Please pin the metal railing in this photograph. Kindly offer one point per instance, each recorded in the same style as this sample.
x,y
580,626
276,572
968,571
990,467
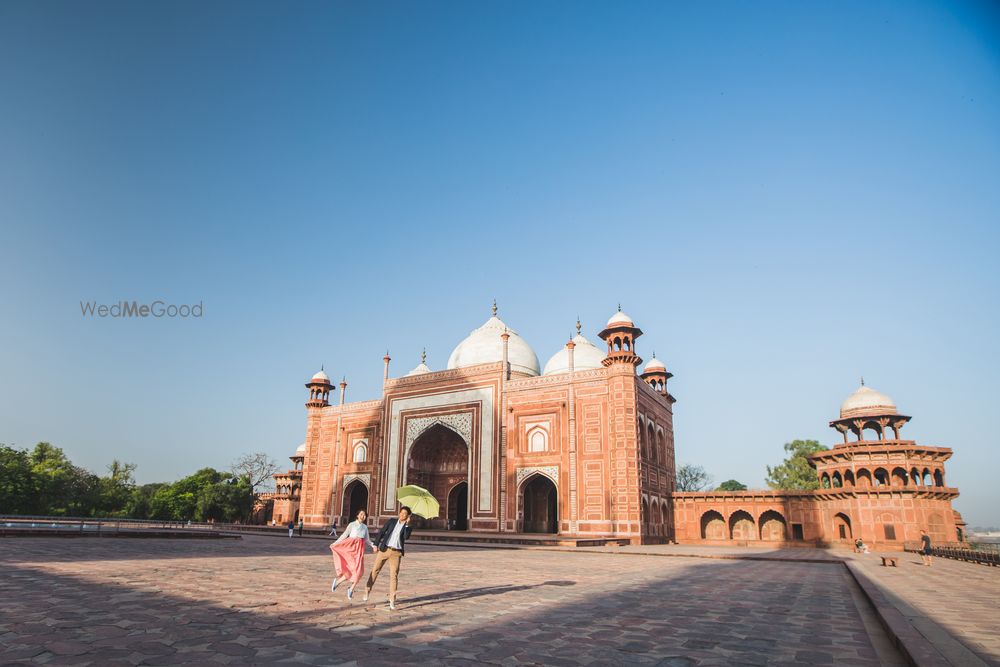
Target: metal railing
x,y
972,552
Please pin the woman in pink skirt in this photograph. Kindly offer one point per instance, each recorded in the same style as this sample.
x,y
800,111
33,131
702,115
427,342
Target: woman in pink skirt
x,y
349,553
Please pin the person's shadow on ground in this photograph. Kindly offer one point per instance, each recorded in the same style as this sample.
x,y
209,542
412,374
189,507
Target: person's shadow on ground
x,y
452,596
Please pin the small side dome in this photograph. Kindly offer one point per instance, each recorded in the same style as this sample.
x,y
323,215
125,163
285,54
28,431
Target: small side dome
x,y
320,377
300,450
419,370
422,367
586,356
867,401
654,365
620,319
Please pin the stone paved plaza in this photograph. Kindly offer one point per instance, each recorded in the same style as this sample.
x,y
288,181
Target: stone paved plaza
x,y
266,600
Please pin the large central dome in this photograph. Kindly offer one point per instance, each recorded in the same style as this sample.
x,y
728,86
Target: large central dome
x,y
484,346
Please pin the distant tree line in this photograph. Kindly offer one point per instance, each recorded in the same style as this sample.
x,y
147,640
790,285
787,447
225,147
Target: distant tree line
x,y
794,473
43,481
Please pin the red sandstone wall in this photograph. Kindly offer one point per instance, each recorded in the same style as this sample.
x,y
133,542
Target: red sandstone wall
x,y
819,514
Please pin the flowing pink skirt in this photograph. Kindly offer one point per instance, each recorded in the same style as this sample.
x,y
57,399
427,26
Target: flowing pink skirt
x,y
349,558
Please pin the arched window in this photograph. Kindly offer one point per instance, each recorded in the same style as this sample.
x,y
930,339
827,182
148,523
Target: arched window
x,y
881,477
938,478
538,440
824,481
360,452
837,480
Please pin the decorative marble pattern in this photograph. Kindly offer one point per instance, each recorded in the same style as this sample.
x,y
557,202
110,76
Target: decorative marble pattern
x,y
552,472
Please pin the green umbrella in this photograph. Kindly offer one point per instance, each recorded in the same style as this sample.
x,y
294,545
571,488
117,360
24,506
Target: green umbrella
x,y
420,500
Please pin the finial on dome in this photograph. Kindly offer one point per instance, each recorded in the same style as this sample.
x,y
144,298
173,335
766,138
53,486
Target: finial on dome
x,y
619,306
423,356
654,354
578,325
321,366
494,307
862,380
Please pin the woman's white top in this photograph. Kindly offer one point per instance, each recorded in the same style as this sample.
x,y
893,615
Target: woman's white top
x,y
356,529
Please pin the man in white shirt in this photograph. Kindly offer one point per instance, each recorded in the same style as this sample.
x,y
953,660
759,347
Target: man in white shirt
x,y
390,545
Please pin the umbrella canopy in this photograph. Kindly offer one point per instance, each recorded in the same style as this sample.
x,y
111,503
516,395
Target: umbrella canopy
x,y
420,500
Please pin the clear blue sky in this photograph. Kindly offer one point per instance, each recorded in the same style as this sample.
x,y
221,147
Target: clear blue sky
x,y
785,196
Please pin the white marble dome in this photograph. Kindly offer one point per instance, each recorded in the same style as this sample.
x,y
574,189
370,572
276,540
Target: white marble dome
x,y
419,370
320,377
619,319
586,356
654,364
300,450
867,401
484,346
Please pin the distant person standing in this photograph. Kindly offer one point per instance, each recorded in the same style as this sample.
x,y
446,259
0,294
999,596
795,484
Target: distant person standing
x,y
291,528
302,524
333,528
925,547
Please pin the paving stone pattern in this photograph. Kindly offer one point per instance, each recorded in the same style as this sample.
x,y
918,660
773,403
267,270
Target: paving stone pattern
x,y
961,598
266,600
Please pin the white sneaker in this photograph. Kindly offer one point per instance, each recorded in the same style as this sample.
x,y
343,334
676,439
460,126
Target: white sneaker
x,y
392,605
333,586
350,593
365,599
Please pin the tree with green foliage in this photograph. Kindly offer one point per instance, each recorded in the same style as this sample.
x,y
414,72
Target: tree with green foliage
x,y
44,481
692,478
795,472
116,489
732,485
17,486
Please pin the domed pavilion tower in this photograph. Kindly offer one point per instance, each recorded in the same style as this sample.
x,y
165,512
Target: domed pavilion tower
x,y
288,488
886,488
655,374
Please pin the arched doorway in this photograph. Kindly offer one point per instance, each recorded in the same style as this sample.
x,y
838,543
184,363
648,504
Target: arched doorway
x,y
458,507
355,500
438,461
842,526
713,526
539,500
772,527
742,526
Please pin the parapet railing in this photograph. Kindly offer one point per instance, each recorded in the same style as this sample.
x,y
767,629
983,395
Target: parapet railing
x,y
972,552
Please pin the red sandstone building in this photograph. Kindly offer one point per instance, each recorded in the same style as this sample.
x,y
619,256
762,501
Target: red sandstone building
x,y
585,448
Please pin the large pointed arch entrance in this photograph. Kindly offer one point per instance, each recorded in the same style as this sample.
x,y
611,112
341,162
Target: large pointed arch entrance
x,y
439,461
539,502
